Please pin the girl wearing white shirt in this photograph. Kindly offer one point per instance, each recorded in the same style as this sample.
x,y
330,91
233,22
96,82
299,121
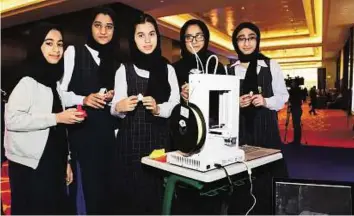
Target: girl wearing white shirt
x,y
263,91
144,118
88,68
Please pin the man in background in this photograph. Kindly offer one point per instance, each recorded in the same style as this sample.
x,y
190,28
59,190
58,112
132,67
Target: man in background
x,y
295,99
313,97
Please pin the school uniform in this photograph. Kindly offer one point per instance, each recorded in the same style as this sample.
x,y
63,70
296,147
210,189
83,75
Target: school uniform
x,y
271,84
93,141
140,133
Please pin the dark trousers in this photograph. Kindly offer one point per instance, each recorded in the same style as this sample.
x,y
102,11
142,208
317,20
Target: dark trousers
x,y
296,113
97,179
313,107
141,190
37,192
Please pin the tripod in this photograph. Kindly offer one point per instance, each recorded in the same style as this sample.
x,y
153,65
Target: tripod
x,y
288,112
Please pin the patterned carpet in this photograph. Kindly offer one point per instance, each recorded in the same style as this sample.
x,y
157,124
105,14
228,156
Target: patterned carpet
x,y
329,128
5,190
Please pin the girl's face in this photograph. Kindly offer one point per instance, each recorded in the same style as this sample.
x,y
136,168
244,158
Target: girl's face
x,y
247,41
102,29
53,46
145,37
194,36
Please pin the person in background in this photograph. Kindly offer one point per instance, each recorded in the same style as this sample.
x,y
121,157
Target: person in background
x,y
295,103
305,94
146,91
313,97
88,69
35,133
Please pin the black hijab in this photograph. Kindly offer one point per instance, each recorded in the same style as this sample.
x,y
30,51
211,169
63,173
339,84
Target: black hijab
x,y
158,85
250,82
107,52
188,61
36,66
44,72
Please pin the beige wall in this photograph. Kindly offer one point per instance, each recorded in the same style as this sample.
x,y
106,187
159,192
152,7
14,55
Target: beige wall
x,y
330,65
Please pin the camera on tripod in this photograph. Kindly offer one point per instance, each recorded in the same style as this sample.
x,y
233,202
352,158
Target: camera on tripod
x,y
298,81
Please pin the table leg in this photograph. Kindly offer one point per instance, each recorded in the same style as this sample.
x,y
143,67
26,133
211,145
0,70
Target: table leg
x,y
171,182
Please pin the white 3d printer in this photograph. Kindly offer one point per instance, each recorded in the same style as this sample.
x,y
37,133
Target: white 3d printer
x,y
200,145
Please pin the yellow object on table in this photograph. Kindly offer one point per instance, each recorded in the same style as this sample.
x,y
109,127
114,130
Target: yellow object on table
x,y
157,153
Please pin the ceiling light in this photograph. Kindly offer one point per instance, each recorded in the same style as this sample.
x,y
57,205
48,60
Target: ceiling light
x,y
8,5
300,65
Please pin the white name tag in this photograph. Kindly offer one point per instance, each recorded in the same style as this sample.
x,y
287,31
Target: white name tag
x,y
184,112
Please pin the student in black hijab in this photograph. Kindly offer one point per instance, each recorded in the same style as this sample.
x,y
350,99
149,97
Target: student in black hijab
x,y
146,91
35,139
88,68
196,34
263,91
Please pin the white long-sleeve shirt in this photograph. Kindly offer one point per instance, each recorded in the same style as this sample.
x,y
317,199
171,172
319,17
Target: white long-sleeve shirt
x,y
280,92
70,98
121,90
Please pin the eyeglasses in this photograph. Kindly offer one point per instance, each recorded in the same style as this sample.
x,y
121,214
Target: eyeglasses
x,y
243,39
198,37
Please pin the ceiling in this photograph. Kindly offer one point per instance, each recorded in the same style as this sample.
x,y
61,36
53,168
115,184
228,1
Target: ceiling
x,y
298,33
227,18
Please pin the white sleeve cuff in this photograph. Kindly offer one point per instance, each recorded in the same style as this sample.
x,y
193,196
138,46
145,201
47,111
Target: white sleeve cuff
x,y
270,103
79,100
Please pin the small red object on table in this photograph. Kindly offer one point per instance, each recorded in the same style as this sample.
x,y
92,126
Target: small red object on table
x,y
162,159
